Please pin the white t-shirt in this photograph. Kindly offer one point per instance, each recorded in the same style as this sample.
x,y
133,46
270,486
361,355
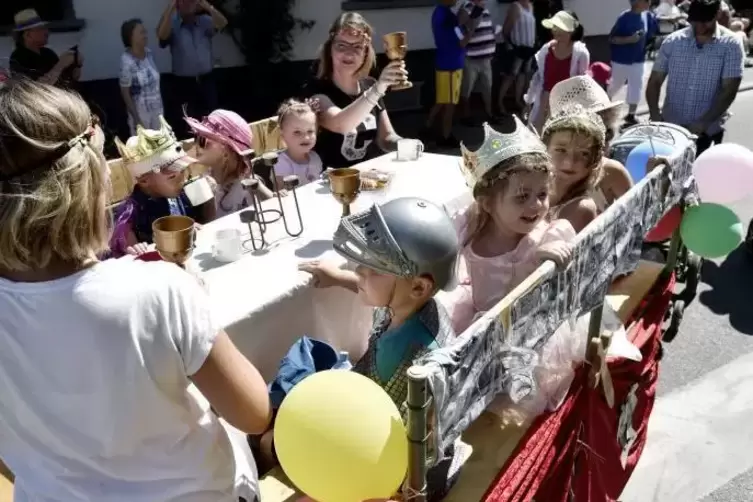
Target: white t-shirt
x,y
230,198
306,172
94,390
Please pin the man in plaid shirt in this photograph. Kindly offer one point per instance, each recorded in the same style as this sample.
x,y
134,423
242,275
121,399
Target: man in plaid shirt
x,y
703,67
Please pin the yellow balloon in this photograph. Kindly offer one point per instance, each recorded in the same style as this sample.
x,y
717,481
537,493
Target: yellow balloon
x,y
340,438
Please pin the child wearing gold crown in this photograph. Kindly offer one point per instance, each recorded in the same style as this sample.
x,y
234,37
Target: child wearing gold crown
x,y
505,233
157,162
575,139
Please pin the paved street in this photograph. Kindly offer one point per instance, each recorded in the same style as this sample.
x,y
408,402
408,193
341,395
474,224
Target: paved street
x,y
701,434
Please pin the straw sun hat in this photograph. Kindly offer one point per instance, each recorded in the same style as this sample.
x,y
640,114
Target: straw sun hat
x,y
27,19
583,91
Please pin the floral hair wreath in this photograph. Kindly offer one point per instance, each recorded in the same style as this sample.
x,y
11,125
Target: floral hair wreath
x,y
352,31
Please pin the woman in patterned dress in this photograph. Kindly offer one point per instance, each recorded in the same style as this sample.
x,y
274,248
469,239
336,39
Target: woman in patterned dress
x,y
139,78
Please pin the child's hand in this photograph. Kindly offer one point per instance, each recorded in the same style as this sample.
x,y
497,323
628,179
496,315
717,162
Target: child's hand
x,y
283,192
138,249
654,162
326,274
561,253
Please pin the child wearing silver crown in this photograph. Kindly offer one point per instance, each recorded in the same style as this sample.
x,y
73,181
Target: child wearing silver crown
x,y
505,233
576,140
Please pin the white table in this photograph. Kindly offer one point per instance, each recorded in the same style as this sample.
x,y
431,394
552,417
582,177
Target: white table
x,y
264,302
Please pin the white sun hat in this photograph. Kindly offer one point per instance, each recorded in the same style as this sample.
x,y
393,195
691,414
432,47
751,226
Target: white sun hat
x,y
561,20
581,90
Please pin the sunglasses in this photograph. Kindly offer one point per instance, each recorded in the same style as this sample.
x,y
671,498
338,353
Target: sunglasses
x,y
345,47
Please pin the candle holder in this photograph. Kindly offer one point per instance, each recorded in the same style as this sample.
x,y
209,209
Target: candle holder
x,y
263,217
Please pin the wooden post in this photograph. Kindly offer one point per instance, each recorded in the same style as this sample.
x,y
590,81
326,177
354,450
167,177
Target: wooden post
x,y
417,429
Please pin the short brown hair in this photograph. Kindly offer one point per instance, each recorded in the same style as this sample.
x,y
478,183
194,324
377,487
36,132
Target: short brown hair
x,y
345,20
53,197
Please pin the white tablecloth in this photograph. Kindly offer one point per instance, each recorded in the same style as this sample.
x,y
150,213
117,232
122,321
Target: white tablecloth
x,y
263,301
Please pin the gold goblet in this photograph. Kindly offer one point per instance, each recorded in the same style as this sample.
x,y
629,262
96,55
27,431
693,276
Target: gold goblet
x,y
396,47
345,185
174,238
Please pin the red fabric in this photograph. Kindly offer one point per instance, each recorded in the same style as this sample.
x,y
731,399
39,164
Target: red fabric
x,y
601,72
555,70
573,453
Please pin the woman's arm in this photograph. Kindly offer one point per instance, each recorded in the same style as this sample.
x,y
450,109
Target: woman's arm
x,y
345,120
513,13
387,138
234,387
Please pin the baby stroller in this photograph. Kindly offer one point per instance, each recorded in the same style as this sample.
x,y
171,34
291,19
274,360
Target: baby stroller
x,y
687,264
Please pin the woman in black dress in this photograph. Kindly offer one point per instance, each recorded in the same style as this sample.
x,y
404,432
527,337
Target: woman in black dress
x,y
354,124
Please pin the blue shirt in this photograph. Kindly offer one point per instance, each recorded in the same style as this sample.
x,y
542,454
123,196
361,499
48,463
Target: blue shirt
x,y
191,46
447,36
627,24
392,347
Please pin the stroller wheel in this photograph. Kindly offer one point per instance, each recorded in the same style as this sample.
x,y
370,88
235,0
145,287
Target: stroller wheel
x,y
692,277
678,311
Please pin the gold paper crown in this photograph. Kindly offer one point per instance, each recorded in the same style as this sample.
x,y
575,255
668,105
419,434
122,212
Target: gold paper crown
x,y
574,110
497,148
148,143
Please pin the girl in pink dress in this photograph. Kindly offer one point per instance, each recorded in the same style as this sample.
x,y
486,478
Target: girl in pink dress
x,y
505,234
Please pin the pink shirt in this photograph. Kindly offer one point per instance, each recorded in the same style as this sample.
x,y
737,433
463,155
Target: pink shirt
x,y
486,280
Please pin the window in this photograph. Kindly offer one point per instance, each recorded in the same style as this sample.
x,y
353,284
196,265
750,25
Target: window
x,y
385,4
59,13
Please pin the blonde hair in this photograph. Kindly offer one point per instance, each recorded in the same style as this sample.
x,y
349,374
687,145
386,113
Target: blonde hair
x,y
293,107
579,125
498,179
353,21
55,177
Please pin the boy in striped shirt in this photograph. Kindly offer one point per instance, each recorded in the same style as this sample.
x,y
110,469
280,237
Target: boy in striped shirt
x,y
475,17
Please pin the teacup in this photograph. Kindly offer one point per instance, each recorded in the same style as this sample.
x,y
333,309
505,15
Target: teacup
x,y
227,245
409,149
199,191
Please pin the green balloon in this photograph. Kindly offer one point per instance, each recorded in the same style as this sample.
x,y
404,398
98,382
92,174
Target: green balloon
x,y
711,230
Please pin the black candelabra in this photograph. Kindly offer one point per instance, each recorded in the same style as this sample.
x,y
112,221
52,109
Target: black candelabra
x,y
261,218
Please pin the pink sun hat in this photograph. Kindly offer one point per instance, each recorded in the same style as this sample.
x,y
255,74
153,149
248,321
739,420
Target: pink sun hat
x,y
225,127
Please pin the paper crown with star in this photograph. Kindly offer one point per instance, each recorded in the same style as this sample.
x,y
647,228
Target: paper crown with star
x,y
575,111
152,150
497,148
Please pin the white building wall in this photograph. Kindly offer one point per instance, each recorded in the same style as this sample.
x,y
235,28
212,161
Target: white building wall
x,y
100,45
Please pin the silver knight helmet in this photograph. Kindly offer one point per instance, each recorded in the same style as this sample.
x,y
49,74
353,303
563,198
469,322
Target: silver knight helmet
x,y
406,237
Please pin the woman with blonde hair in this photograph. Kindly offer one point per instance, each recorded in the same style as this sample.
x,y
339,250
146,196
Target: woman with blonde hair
x,y
98,357
354,124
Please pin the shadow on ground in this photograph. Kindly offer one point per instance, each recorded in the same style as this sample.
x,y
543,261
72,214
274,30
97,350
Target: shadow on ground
x,y
731,289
